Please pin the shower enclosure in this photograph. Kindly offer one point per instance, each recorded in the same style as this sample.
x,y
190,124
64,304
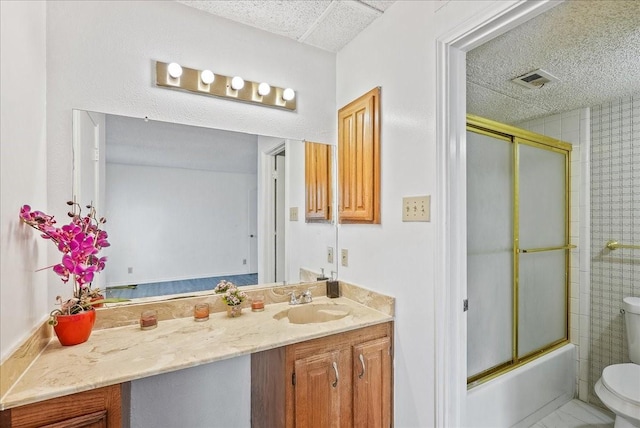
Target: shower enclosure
x,y
518,247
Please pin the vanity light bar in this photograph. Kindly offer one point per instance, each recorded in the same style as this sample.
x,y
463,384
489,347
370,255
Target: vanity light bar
x,y
192,80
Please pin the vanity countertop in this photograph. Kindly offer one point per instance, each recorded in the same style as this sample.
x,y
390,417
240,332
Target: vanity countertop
x,y
121,354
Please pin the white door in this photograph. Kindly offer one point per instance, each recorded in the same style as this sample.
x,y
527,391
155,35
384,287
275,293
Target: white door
x,y
280,215
253,230
86,153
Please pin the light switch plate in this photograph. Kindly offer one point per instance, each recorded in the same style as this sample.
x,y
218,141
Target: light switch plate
x,y
344,257
293,214
330,255
416,208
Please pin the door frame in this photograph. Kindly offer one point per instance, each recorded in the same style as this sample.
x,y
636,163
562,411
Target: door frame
x,y
266,214
451,264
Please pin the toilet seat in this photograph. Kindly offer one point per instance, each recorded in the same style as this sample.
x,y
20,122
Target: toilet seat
x,y
623,380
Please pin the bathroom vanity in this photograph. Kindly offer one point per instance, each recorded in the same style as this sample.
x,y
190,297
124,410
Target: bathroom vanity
x,y
121,352
338,380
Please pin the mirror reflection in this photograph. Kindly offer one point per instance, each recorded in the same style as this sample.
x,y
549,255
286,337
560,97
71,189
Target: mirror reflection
x,y
188,206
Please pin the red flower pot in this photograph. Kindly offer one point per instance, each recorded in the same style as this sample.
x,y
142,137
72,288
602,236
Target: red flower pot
x,y
98,297
76,328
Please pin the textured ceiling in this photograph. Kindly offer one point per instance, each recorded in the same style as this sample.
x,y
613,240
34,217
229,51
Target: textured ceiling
x,y
591,46
133,141
326,24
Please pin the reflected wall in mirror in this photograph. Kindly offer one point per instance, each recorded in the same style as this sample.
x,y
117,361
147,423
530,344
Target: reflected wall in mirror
x,y
187,206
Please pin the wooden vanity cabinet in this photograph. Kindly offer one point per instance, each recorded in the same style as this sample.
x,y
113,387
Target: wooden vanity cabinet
x,y
97,408
317,177
359,160
343,380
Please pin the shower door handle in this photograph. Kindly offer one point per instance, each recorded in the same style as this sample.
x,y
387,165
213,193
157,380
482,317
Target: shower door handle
x,y
538,250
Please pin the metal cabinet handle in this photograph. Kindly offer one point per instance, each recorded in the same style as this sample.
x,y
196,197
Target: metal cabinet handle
x,y
363,368
335,369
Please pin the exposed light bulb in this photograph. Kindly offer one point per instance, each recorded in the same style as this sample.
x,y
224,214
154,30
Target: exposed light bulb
x,y
264,89
288,94
174,70
207,77
237,83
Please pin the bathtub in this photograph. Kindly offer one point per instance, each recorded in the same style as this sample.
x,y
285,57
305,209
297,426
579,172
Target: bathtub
x,y
524,395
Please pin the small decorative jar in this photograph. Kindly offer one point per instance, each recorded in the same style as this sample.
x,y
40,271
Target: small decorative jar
x,y
148,319
234,311
257,303
201,312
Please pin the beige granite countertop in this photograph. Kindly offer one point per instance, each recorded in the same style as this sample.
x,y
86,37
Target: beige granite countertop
x,y
125,353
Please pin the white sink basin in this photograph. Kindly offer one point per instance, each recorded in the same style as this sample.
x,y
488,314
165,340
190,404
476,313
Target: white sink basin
x,y
312,314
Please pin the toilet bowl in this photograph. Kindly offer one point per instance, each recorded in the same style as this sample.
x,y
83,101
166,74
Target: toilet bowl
x,y
619,386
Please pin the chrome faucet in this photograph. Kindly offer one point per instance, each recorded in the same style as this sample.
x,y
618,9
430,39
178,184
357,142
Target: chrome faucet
x,y
294,299
305,297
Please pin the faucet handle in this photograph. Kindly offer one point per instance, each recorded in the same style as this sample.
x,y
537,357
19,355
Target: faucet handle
x,y
294,299
307,297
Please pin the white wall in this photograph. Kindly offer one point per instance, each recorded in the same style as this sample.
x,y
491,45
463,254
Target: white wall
x,y
394,257
24,302
203,231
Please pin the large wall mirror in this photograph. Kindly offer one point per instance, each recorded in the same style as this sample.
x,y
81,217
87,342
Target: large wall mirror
x,y
187,206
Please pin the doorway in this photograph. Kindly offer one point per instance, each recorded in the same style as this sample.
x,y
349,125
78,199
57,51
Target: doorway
x,y
451,234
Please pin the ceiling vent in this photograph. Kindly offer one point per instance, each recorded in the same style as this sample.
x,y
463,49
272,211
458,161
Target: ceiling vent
x,y
535,79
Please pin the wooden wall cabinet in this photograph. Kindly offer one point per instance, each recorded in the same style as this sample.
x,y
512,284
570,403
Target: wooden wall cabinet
x,y
359,160
343,380
97,408
317,177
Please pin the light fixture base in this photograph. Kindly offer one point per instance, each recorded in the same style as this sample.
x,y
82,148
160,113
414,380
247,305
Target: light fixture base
x,y
221,87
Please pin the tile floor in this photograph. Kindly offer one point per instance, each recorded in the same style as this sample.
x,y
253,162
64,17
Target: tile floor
x,y
577,414
178,287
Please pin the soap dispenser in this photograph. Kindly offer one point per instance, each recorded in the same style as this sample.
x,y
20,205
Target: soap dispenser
x,y
322,277
333,287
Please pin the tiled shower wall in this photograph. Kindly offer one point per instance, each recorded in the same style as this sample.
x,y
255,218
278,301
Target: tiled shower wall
x,y
573,127
615,215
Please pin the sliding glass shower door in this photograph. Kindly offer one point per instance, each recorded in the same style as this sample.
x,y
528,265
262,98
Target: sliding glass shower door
x,y
517,244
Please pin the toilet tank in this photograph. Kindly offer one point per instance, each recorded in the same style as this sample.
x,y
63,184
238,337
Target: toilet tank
x,y
631,306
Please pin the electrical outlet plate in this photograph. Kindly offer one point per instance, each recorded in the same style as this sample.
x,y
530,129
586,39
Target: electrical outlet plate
x,y
293,213
416,208
329,254
344,257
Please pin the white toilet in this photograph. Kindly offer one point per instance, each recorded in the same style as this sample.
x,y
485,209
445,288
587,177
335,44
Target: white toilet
x,y
619,386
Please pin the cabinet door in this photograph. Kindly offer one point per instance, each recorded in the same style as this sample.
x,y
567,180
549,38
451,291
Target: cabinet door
x,y
317,181
91,420
320,389
97,408
372,384
359,160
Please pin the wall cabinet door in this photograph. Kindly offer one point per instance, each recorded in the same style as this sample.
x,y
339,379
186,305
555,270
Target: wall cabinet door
x,y
359,160
372,384
317,181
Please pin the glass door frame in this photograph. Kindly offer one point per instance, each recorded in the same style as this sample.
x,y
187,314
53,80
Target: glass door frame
x,y
516,137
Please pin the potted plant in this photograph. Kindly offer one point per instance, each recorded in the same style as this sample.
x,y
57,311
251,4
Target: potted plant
x,y
232,296
79,241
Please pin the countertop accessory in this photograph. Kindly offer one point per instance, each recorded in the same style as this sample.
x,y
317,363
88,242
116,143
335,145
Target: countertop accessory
x,y
148,319
257,303
201,312
333,287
